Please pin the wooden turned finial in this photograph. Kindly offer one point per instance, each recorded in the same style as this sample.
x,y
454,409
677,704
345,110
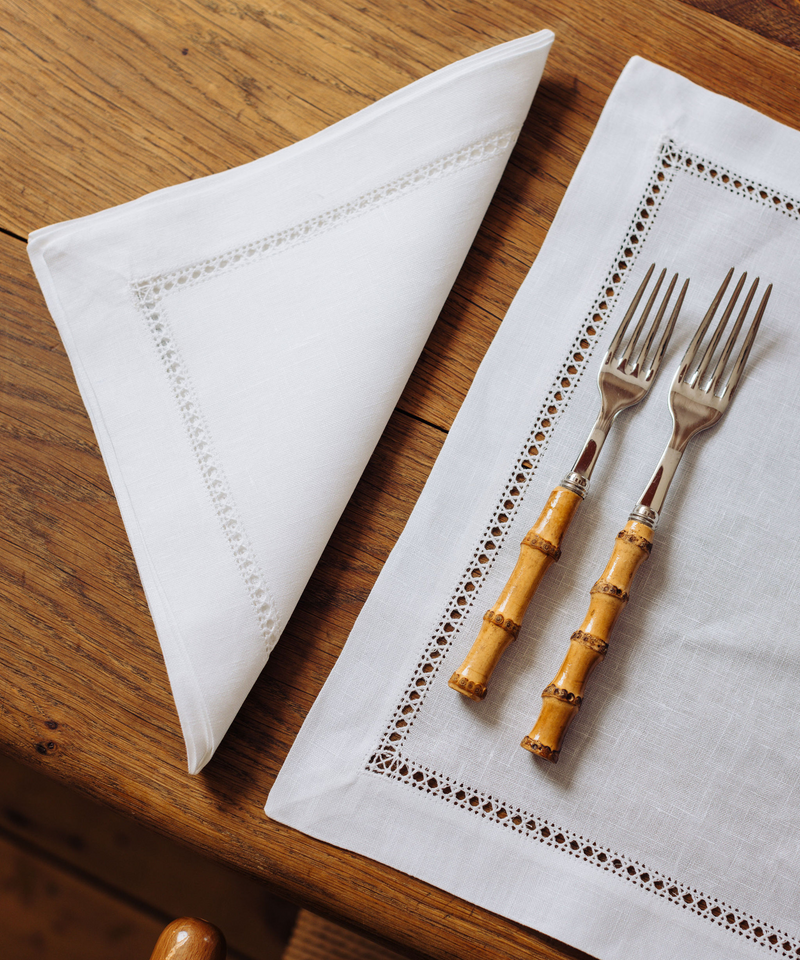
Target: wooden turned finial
x,y
540,548
190,939
562,699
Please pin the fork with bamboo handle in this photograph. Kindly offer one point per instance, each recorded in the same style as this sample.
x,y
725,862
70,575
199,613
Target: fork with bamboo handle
x,y
625,378
697,400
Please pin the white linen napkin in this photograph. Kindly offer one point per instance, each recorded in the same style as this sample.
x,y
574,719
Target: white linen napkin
x,y
671,825
241,340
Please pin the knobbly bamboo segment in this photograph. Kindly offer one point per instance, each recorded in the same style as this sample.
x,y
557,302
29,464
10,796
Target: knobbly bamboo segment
x,y
562,699
540,548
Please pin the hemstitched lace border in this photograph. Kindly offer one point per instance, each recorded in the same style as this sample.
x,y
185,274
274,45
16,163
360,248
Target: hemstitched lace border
x,y
149,294
387,758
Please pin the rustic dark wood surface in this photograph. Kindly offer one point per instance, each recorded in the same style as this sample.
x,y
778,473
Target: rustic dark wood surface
x,y
777,20
101,102
66,860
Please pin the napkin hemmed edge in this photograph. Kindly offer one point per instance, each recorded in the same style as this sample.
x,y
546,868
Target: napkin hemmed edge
x,y
543,38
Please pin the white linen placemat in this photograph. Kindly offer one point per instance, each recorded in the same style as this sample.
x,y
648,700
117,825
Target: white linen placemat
x,y
240,342
671,825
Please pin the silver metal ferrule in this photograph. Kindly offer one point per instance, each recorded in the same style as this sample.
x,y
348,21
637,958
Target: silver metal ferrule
x,y
645,515
576,483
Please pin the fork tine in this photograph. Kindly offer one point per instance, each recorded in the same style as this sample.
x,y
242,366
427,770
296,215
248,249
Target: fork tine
x,y
662,346
648,340
627,318
716,377
642,320
640,360
691,350
723,322
744,353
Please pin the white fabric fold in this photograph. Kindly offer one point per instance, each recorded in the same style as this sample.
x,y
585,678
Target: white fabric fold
x,y
240,342
670,826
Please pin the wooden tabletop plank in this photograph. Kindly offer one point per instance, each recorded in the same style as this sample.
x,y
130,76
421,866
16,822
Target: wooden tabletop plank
x,y
777,20
107,101
99,104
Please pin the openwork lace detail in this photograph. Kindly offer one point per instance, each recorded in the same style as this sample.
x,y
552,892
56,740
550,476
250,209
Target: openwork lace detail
x,y
537,829
150,293
697,166
524,468
480,150
213,476
388,758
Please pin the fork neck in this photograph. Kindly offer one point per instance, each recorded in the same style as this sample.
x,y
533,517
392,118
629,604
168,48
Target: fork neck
x,y
649,507
577,480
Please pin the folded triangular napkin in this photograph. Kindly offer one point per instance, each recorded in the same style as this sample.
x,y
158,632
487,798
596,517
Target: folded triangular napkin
x,y
241,340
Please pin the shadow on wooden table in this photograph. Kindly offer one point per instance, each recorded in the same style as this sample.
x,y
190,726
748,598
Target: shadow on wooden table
x,y
80,881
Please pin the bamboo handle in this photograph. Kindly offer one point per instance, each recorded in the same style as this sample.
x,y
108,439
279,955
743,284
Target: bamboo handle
x,y
562,699
540,548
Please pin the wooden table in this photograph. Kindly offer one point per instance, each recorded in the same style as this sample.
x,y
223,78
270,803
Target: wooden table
x,y
103,101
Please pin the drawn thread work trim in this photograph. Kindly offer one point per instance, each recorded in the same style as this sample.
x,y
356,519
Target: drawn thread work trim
x,y
388,758
150,295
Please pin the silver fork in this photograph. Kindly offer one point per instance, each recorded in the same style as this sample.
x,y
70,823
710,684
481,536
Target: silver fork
x,y
622,383
697,401
625,377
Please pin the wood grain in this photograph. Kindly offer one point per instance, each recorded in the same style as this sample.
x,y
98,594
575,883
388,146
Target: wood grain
x,y
189,938
49,824
49,912
777,20
315,938
101,102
